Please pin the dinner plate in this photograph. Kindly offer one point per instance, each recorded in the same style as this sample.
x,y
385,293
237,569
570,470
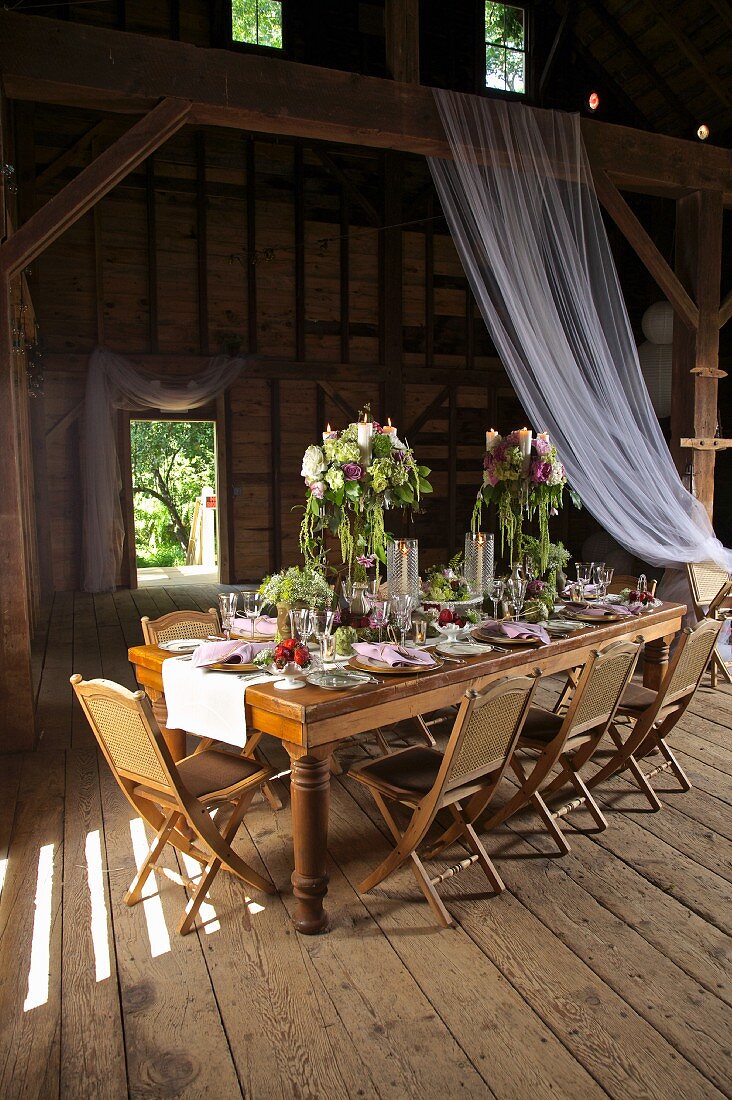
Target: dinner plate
x,y
503,639
181,645
253,637
368,664
227,666
462,649
338,679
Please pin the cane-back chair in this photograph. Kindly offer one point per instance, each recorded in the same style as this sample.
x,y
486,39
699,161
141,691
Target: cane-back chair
x,y
426,781
652,715
566,742
711,590
173,798
180,624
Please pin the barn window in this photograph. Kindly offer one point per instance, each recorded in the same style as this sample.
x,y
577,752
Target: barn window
x,y
257,22
505,49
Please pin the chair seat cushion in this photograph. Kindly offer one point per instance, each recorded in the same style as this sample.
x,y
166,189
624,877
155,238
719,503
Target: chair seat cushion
x,y
541,725
636,699
413,770
210,771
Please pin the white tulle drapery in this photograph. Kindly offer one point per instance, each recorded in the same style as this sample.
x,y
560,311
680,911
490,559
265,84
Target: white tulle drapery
x,y
521,205
114,383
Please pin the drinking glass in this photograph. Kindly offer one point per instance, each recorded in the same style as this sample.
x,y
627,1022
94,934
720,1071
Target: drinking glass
x,y
252,602
420,631
379,610
515,591
495,591
301,623
227,610
603,577
327,649
402,605
584,571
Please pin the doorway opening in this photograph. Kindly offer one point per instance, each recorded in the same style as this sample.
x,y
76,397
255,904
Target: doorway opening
x,y
174,501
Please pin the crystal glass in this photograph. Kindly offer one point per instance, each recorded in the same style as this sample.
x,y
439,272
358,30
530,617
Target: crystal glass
x,y
584,571
227,610
495,591
251,606
402,607
327,649
478,561
379,610
603,577
516,593
420,631
301,623
402,567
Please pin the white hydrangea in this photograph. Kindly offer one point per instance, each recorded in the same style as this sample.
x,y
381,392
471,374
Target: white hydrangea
x,y
313,463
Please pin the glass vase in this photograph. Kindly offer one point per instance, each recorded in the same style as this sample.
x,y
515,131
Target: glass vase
x,y
478,566
402,568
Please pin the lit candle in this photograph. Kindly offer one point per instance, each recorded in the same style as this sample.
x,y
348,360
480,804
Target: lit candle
x,y
365,431
389,429
525,441
480,539
543,436
491,438
404,551
329,433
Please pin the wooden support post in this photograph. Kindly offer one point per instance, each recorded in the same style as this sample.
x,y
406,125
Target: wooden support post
x,y
152,254
402,39
202,242
275,474
299,219
694,397
251,208
392,288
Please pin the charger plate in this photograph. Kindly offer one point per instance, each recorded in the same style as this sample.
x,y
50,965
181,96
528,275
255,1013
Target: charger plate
x,y
368,664
606,617
227,666
181,645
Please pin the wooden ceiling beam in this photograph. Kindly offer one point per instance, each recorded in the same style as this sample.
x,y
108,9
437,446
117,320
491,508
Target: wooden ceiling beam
x,y
70,155
646,249
92,183
48,60
351,189
688,48
401,20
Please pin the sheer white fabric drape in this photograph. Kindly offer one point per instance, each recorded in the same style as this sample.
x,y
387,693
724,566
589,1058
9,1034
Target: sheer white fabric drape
x,y
521,205
114,383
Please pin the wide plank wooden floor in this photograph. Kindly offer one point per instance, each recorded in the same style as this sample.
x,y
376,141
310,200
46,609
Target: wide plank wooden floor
x,y
605,973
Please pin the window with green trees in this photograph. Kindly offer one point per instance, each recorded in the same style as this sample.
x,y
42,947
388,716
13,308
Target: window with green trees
x,y
505,48
257,22
172,462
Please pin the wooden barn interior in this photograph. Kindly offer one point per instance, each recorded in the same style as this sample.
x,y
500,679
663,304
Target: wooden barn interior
x,y
172,194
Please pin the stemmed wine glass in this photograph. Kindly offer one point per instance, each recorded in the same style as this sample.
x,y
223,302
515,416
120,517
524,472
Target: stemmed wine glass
x,y
603,577
403,614
379,610
516,592
227,610
495,591
584,573
252,604
322,627
301,623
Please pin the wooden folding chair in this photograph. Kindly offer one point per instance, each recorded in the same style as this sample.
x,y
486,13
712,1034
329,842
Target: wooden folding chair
x,y
567,741
173,798
196,624
653,715
426,781
711,587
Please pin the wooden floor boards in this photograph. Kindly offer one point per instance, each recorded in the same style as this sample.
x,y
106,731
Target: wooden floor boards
x,y
604,973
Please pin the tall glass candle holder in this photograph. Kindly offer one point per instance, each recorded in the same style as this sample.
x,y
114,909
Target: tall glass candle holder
x,y
402,568
478,561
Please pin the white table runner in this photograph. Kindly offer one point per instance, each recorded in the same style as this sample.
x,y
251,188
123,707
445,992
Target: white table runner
x,y
207,704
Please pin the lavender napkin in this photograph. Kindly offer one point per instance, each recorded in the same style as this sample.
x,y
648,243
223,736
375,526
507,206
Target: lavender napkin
x,y
394,655
263,625
589,590
230,653
530,631
601,610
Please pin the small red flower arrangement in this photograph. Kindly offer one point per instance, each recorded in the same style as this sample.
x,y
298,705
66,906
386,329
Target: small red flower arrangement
x,y
637,596
291,651
446,617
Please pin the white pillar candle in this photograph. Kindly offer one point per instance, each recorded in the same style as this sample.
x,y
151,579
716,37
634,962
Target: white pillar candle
x,y
543,436
480,539
491,438
525,441
329,433
389,429
365,431
404,552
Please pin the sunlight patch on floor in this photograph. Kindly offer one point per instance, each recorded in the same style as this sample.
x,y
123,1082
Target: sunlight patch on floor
x,y
40,963
99,924
157,930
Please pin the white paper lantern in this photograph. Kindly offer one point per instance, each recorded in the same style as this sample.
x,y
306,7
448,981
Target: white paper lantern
x,y
658,323
655,361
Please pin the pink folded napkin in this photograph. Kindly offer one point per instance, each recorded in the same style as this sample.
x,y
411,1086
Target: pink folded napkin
x,y
601,610
516,630
263,625
230,653
589,590
394,655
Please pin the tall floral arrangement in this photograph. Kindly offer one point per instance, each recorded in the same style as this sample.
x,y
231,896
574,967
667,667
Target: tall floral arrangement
x,y
524,478
351,484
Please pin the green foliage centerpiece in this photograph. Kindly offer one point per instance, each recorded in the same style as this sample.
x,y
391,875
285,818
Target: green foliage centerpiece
x,y
352,480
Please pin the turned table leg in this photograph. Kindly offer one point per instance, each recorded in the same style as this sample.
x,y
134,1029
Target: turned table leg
x,y
655,661
310,796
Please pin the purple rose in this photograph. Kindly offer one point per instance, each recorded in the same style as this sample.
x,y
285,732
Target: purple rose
x,y
540,472
353,471
535,588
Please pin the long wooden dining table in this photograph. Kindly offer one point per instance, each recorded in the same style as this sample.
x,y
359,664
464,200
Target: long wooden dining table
x,y
312,722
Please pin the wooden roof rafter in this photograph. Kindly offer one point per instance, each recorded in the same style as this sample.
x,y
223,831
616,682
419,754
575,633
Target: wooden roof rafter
x,y
56,62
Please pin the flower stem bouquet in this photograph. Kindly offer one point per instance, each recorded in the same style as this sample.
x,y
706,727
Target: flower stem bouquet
x,y
350,485
525,480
